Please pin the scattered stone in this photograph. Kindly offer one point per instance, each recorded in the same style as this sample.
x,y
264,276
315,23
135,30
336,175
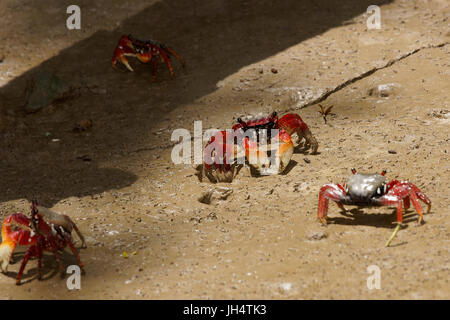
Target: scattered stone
x,y
306,160
384,90
273,70
196,219
317,235
224,192
392,151
285,287
439,113
212,195
206,197
43,89
2,58
212,216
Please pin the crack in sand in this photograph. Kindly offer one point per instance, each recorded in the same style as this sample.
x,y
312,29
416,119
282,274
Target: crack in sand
x,y
368,73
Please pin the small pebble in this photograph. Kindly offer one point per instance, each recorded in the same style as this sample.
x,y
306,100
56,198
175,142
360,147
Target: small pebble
x,y
317,235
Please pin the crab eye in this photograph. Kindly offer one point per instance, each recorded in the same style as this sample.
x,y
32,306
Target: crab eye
x,y
382,189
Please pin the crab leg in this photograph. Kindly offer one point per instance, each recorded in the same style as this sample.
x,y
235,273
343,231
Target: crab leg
x,y
402,193
333,192
54,248
416,205
155,68
167,60
80,235
293,123
420,195
175,55
24,263
406,203
39,261
408,192
75,252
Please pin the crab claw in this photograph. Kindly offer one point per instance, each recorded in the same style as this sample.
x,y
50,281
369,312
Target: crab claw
x,y
15,231
285,150
281,147
257,158
220,155
124,48
293,123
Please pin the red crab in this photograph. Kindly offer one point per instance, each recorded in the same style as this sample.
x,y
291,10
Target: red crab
x,y
44,231
145,51
369,190
255,142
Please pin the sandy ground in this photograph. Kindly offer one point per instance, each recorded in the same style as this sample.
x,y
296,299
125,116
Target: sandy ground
x,y
259,242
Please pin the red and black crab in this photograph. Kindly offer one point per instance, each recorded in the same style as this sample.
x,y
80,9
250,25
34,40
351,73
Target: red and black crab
x,y
45,230
263,143
145,51
370,190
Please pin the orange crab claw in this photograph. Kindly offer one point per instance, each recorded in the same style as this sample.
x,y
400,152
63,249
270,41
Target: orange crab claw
x,y
15,231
